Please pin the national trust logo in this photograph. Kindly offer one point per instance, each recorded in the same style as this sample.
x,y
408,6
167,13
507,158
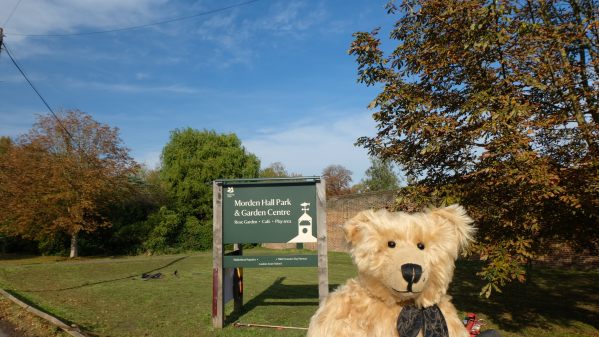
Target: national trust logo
x,y
230,192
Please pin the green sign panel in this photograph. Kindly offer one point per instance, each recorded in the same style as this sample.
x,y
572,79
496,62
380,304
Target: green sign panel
x,y
277,210
269,212
270,261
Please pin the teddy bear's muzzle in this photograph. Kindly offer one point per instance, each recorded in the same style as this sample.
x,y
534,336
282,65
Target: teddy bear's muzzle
x,y
411,273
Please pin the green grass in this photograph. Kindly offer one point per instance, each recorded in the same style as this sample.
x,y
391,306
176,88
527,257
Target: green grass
x,y
552,303
107,296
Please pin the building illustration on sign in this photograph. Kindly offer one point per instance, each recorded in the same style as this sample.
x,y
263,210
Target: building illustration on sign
x,y
304,227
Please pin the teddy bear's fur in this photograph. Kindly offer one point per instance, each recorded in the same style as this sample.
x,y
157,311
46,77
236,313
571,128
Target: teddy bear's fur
x,y
380,243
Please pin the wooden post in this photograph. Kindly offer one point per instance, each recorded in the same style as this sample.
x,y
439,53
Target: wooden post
x,y
217,253
323,266
238,292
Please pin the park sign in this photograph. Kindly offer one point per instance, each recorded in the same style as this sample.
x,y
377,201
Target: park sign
x,y
269,212
279,210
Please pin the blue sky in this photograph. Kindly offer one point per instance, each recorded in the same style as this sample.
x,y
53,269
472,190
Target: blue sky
x,y
274,72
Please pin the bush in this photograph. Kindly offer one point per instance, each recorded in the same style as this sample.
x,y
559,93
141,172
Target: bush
x,y
196,235
166,225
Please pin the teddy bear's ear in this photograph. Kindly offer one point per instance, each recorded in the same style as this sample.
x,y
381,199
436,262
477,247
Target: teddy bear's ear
x,y
461,222
354,227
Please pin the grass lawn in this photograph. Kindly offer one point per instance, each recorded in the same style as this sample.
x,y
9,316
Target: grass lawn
x,y
107,297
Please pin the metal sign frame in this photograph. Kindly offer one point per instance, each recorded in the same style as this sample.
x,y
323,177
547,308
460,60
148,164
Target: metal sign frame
x,y
222,262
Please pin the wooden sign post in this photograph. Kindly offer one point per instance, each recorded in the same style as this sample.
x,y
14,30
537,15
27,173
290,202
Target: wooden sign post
x,y
286,210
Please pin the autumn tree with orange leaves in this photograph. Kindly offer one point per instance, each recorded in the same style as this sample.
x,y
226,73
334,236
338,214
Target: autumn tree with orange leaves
x,y
60,176
494,104
338,179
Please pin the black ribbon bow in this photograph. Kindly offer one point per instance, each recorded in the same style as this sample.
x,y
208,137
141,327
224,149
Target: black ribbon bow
x,y
430,320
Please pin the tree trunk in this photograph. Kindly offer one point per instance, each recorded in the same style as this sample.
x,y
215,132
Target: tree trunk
x,y
74,248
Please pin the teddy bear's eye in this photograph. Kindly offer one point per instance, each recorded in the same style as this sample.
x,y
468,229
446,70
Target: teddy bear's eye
x,y
391,244
420,245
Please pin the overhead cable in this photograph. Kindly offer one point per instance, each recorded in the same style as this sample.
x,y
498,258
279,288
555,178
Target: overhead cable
x,y
11,13
180,18
37,92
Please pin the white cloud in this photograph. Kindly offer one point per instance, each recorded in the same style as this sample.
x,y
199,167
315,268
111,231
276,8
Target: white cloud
x,y
292,17
151,159
308,148
142,76
239,40
12,79
136,88
235,36
71,16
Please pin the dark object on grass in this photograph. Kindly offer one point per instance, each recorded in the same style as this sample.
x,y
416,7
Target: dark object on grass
x,y
489,333
147,276
175,273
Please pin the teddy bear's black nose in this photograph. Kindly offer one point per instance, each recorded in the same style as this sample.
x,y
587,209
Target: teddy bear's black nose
x,y
411,273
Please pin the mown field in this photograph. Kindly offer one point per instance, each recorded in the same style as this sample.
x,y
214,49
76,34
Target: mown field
x,y
108,297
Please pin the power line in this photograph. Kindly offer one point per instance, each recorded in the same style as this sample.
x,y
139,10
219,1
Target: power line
x,y
180,18
12,12
37,92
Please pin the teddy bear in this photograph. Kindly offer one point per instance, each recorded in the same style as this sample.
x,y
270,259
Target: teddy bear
x,y
405,264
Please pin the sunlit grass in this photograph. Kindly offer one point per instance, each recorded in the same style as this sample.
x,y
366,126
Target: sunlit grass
x,y
108,297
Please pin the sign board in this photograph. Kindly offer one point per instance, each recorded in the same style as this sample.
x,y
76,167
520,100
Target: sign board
x,y
290,210
269,213
270,261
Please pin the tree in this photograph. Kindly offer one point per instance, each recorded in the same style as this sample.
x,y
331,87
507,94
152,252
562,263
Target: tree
x,y
5,144
495,103
191,160
337,179
58,178
276,170
131,217
380,176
